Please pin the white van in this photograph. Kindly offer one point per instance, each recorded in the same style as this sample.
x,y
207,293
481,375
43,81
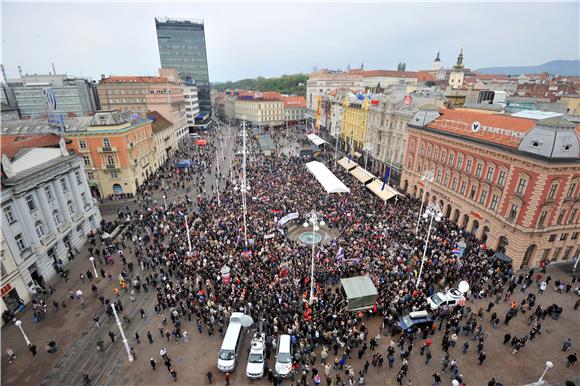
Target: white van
x,y
228,354
283,365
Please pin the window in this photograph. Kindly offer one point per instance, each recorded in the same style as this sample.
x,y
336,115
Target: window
x,y
91,175
545,254
567,253
542,218
9,215
20,242
552,191
451,159
494,201
463,187
557,253
459,162
114,174
478,169
439,176
446,180
30,202
552,238
64,185
483,197
468,166
110,160
563,236
40,231
48,192
436,153
78,177
560,217
571,189
71,207
572,216
489,174
521,189
106,143
501,178
472,192
443,155
84,198
57,218
513,212
574,236
454,184
82,144
87,160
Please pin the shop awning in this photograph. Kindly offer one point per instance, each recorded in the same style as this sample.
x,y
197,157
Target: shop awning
x,y
502,257
348,165
362,175
357,154
386,194
360,292
327,179
315,139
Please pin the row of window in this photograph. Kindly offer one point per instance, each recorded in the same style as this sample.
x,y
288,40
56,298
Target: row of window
x,y
558,251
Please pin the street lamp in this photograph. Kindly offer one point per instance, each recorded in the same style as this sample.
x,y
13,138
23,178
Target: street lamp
x,y
428,176
165,201
18,324
316,223
549,365
130,357
92,259
244,187
433,211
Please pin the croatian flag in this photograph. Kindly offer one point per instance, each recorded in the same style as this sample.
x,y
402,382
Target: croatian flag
x,y
339,255
456,251
387,172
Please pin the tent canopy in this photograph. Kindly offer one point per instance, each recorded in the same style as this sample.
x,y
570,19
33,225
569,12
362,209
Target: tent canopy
x,y
360,292
502,257
327,179
315,139
362,175
184,163
266,143
348,165
386,194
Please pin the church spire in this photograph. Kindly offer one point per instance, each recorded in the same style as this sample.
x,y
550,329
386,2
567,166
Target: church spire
x,y
459,65
437,58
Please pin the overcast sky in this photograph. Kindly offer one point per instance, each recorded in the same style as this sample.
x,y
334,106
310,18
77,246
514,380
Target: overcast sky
x,y
252,39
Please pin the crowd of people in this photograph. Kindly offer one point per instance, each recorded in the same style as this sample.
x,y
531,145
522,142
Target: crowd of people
x,y
270,277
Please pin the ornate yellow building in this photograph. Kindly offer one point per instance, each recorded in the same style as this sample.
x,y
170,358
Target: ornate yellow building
x,y
354,122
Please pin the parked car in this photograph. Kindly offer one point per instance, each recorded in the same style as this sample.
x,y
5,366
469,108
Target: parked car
x,y
414,320
256,362
451,298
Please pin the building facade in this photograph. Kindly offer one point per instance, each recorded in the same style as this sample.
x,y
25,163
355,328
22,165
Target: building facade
x,y
72,96
191,104
164,138
48,213
512,182
354,123
182,46
294,109
260,108
322,82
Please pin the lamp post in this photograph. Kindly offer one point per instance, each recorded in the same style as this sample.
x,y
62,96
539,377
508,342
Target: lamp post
x,y
165,201
549,365
217,177
428,176
244,183
129,356
336,140
433,211
18,324
316,222
92,259
367,149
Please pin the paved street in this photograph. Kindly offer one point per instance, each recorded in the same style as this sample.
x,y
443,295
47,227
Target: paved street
x,y
76,334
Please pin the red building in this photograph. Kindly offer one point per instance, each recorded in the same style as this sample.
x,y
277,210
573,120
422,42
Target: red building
x,y
513,182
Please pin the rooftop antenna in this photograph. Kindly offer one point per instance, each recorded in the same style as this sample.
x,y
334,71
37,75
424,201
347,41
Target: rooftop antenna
x,y
53,70
20,70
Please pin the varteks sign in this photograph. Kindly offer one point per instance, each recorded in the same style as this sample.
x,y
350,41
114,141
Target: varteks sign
x,y
477,127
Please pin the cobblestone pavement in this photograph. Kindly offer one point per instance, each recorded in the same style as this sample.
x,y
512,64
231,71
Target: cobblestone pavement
x,y
76,335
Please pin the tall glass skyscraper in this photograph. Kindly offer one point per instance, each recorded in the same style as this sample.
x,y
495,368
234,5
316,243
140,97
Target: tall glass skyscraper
x,y
182,46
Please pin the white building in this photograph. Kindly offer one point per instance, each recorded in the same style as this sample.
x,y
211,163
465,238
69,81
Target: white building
x,y
322,82
47,211
191,104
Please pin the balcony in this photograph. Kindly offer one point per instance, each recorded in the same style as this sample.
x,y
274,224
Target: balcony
x,y
111,167
110,149
47,239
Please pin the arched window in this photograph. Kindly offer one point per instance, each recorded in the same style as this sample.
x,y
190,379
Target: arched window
x,y
110,160
40,231
56,216
71,207
106,143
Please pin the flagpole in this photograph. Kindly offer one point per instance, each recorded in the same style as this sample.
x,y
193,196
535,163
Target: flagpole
x,y
390,167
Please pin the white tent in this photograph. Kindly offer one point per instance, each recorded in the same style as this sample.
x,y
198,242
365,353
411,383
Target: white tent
x,y
327,179
385,194
315,139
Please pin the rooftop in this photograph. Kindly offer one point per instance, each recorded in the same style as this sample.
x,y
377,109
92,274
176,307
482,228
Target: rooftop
x,y
159,123
12,144
134,79
389,73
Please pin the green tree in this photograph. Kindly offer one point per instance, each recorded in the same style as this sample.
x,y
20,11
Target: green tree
x,y
285,84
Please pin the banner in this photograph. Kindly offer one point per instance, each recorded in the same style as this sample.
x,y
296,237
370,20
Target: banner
x,y
287,218
269,236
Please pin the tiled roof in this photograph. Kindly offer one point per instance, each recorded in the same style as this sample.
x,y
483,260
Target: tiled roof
x,y
159,122
12,144
423,76
294,101
495,128
134,79
389,73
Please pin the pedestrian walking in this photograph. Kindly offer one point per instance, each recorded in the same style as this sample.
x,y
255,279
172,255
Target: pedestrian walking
x,y
572,358
112,336
209,376
481,357
137,337
150,337
153,363
227,378
567,344
173,375
32,349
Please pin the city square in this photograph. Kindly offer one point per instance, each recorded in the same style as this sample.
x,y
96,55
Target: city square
x,y
365,227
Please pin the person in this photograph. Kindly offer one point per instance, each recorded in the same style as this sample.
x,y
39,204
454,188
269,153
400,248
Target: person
x,y
150,337
492,382
10,354
112,336
100,344
481,357
132,351
86,379
572,358
436,379
32,349
153,363
209,376
227,377
137,337
173,375
567,344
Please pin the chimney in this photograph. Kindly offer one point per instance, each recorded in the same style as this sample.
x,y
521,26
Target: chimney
x,y
7,166
63,149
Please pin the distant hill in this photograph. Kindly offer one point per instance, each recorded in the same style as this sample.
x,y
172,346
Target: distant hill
x,y
286,84
556,67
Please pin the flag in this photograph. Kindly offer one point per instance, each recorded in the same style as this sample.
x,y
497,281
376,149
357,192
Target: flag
x,y
348,152
339,255
387,172
456,251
